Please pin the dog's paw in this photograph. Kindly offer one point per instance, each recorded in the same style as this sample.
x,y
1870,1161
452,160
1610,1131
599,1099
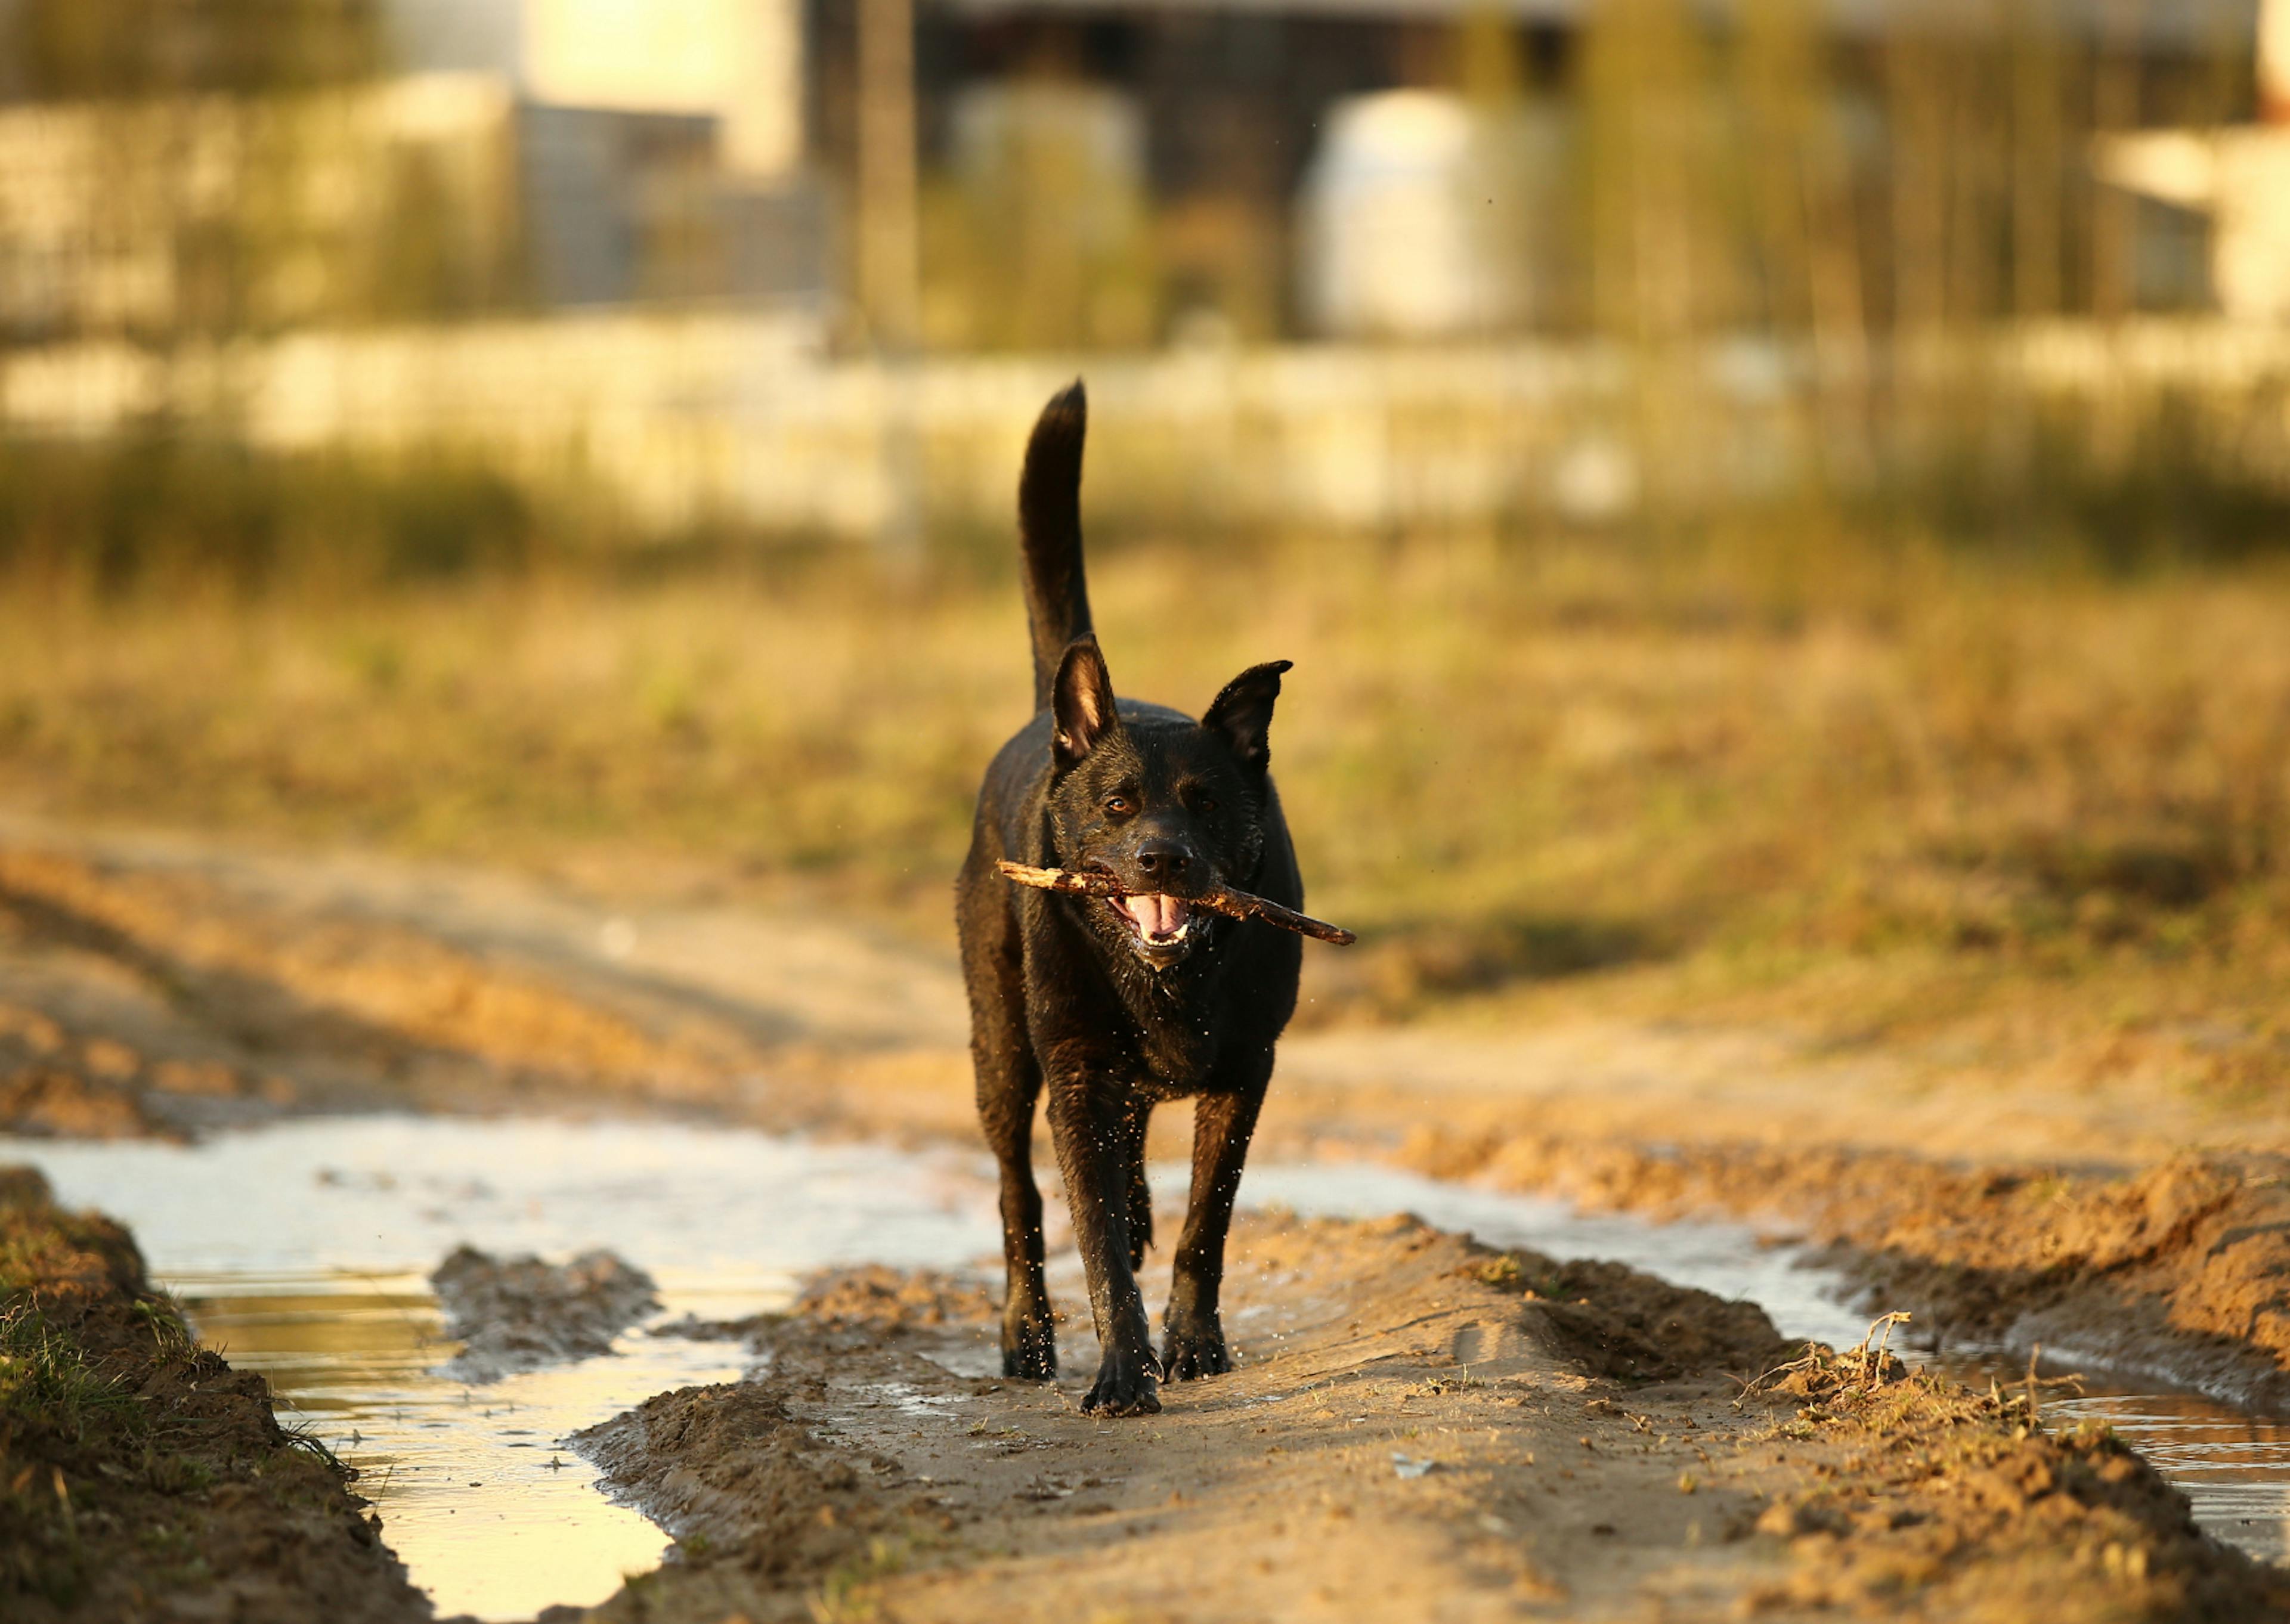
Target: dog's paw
x,y
1188,1356
1127,1384
1029,1351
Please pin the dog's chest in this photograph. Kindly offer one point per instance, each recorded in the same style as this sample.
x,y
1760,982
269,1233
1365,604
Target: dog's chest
x,y
1176,1046
1170,1072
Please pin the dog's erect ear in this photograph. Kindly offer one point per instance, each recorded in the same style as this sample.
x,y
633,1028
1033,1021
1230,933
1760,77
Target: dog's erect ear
x,y
1243,712
1081,702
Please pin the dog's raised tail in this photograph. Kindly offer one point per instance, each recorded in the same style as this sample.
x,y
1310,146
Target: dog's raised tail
x,y
1049,533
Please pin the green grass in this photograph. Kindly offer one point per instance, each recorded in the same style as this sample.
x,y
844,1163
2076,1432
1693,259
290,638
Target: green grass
x,y
47,1381
116,1433
63,1405
162,1318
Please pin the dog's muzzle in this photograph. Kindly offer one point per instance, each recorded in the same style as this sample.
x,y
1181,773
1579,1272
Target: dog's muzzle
x,y
1162,927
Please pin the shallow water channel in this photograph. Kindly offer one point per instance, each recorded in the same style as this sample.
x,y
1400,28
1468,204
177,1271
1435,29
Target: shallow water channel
x,y
302,1250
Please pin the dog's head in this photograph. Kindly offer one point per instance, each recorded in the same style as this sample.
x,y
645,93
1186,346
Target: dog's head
x,y
1170,808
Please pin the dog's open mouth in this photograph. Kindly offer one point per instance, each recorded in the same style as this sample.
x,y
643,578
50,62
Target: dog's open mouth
x,y
1158,921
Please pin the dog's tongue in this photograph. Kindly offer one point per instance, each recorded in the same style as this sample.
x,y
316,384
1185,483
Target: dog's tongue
x,y
1155,913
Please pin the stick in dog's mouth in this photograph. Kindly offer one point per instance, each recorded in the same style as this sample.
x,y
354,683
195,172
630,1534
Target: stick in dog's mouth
x,y
1150,911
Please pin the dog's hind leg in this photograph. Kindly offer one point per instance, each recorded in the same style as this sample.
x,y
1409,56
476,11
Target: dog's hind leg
x,y
1009,1083
1222,1124
1029,1337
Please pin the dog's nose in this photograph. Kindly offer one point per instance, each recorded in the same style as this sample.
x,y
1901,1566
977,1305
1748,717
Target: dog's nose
x,y
1163,859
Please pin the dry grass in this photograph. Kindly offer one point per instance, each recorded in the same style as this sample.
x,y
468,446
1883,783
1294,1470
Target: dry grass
x,y
1880,790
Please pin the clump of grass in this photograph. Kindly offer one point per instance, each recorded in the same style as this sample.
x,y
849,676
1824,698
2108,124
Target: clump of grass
x,y
63,1405
303,1435
851,1592
163,1318
48,1383
1823,1372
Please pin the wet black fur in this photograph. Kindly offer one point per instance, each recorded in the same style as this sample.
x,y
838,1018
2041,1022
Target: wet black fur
x,y
1064,994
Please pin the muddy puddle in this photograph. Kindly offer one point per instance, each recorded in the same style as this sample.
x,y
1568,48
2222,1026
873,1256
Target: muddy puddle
x,y
491,1515
302,1250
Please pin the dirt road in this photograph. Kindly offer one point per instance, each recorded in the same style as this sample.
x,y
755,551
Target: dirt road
x,y
166,985
1421,1430
159,986
318,979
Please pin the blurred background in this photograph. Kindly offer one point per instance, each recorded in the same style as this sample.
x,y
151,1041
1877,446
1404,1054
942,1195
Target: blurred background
x,y
1781,508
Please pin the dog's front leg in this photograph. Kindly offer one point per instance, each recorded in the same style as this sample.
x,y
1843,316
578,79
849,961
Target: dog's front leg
x,y
1094,1127
1222,1124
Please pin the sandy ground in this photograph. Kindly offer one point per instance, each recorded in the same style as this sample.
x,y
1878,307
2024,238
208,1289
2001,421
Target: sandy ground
x,y
1421,1429
1589,1456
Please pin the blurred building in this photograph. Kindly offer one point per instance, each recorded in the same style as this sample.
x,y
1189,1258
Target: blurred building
x,y
521,154
2214,216
1108,173
737,63
2216,200
601,243
660,143
1426,168
1229,102
1422,216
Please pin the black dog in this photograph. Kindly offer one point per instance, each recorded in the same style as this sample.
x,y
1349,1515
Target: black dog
x,y
1120,1004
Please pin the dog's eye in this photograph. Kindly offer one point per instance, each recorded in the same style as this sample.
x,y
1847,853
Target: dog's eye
x,y
1207,804
1119,805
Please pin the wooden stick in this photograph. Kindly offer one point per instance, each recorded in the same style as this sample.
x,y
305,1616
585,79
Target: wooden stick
x,y
1219,900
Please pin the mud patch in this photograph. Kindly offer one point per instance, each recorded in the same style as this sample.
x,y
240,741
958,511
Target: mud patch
x,y
141,1476
1617,1322
878,1299
2180,1274
1956,1504
197,984
57,1082
303,1247
520,1314
732,1470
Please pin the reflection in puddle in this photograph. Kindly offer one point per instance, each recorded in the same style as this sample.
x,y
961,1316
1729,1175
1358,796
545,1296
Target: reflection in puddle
x,y
2235,1467
491,1514
300,1250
